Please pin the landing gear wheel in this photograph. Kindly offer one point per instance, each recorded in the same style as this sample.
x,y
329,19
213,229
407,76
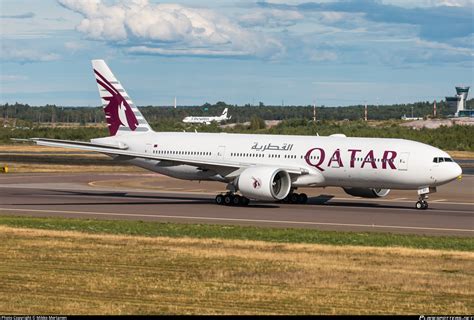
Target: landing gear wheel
x,y
425,205
244,201
419,205
228,199
219,199
236,200
302,198
294,197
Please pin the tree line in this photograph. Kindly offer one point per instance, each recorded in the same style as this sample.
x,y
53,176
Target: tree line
x,y
455,137
57,114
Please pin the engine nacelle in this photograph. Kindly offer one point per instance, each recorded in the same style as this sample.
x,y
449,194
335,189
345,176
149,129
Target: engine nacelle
x,y
367,192
264,183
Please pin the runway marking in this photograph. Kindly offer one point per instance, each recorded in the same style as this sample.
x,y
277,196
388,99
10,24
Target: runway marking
x,y
439,200
183,191
240,220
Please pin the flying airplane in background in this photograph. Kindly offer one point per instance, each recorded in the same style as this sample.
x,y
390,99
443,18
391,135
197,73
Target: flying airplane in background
x,y
264,167
207,120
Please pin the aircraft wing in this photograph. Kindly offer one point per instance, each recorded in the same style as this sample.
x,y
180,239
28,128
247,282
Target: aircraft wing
x,y
227,168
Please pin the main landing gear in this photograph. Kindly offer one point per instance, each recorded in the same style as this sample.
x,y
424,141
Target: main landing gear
x,y
295,198
231,199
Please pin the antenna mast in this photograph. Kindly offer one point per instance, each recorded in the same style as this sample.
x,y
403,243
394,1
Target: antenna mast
x,y
314,111
365,112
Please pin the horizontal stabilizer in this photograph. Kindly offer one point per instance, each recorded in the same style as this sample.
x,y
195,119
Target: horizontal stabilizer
x,y
68,143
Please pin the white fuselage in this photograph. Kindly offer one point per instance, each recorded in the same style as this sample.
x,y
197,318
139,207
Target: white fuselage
x,y
206,120
326,161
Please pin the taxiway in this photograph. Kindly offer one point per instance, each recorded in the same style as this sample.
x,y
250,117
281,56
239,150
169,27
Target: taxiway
x,y
153,197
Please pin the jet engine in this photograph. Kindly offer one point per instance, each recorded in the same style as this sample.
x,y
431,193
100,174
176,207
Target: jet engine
x,y
264,183
367,192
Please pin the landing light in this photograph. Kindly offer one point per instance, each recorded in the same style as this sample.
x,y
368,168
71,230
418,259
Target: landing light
x,y
460,177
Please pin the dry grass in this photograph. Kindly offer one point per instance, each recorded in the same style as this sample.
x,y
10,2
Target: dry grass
x,y
18,167
38,159
34,148
67,272
461,154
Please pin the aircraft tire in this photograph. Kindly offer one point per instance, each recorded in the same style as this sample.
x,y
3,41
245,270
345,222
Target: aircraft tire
x,y
219,199
236,200
419,205
228,199
302,198
294,198
244,201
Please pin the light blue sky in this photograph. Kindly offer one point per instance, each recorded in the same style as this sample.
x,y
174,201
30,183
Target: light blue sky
x,y
337,52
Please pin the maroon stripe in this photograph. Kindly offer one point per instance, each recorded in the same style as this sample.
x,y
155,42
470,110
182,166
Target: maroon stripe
x,y
105,87
106,81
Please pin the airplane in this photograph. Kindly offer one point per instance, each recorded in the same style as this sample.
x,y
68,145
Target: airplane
x,y
208,120
264,167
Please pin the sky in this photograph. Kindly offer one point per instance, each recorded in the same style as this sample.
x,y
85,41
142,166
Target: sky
x,y
291,52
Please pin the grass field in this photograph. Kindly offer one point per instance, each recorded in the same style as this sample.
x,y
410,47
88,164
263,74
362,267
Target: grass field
x,y
70,272
37,159
208,231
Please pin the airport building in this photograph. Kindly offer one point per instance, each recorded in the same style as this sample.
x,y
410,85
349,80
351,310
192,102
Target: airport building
x,y
459,101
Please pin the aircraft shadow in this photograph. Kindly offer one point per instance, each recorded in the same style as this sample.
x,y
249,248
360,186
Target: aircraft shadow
x,y
324,200
171,199
164,200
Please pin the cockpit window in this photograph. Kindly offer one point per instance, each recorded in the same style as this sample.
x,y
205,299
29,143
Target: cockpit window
x,y
439,160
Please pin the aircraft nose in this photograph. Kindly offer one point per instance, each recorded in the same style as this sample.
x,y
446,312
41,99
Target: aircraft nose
x,y
457,171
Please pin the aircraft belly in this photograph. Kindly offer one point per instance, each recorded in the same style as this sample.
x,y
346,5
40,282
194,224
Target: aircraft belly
x,y
185,172
372,178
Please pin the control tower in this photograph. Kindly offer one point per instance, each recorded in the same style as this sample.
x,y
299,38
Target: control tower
x,y
459,100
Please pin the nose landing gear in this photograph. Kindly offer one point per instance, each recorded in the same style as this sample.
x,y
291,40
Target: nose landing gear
x,y
422,204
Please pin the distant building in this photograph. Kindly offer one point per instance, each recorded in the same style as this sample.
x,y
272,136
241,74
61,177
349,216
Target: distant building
x,y
466,113
459,101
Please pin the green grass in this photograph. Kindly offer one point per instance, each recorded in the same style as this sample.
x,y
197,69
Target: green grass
x,y
288,235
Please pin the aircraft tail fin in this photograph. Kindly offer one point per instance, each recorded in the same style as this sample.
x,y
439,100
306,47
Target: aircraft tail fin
x,y
224,113
121,114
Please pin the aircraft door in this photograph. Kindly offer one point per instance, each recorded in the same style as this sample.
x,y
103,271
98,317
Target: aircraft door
x,y
403,161
148,148
221,152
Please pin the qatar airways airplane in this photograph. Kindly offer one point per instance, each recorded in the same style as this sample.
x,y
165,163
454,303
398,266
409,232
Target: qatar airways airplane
x,y
264,167
207,120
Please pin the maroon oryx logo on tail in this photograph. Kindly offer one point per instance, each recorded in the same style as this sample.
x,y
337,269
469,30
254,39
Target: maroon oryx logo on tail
x,y
117,111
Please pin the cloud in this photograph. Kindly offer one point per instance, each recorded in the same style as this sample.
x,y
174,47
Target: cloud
x,y
27,15
25,55
271,18
164,29
452,3
74,46
12,77
323,55
444,20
